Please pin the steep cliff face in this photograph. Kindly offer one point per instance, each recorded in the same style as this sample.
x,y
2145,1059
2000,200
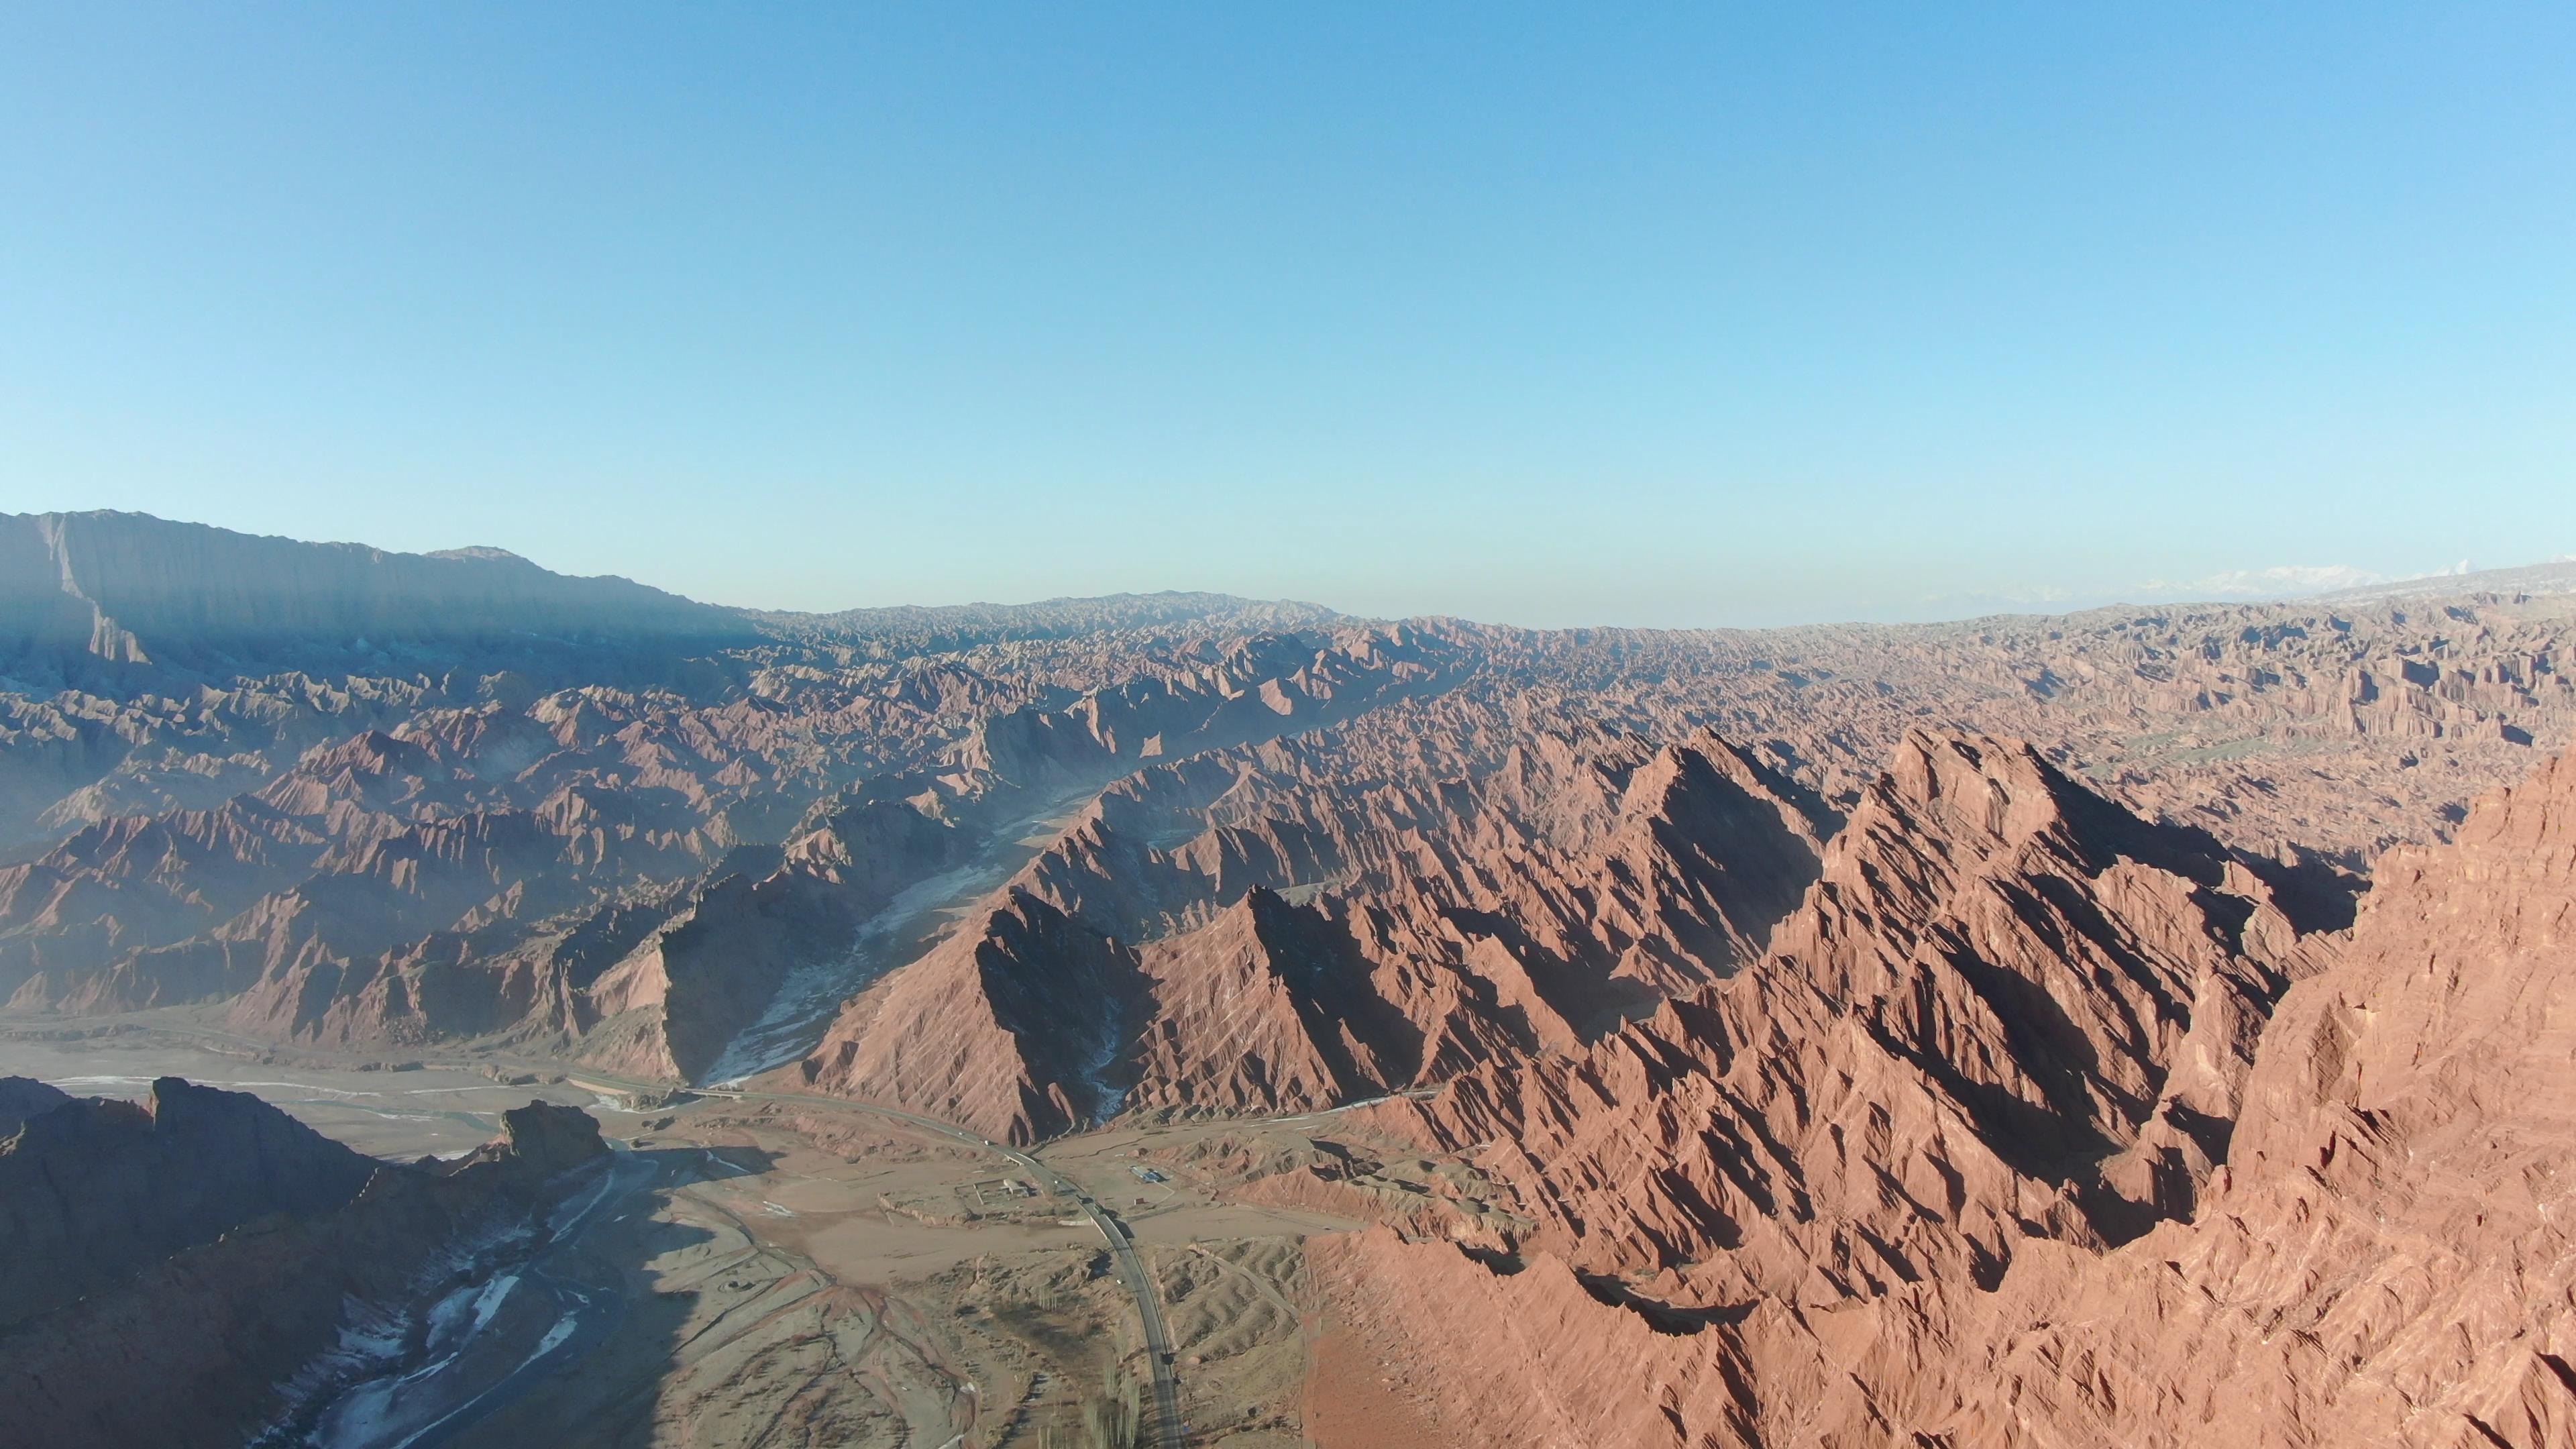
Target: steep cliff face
x,y
92,1192
25,1097
203,1341
2380,1259
2391,1261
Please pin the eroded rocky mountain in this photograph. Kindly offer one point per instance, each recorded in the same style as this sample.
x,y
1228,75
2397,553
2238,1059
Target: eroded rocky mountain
x,y
2025,1030
1274,928
202,1269
2038,1125
1283,858
93,1190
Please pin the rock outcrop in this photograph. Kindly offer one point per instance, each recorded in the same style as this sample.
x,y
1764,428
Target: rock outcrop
x,y
96,1190
540,1140
219,1313
25,1097
2368,1251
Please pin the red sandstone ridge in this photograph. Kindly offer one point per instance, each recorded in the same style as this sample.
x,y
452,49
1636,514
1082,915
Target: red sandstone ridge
x,y
527,822
1967,1034
1237,933
1269,1008
1007,1028
1874,1252
2392,1260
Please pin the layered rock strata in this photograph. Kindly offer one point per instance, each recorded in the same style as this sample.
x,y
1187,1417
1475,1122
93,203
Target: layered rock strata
x,y
2364,1251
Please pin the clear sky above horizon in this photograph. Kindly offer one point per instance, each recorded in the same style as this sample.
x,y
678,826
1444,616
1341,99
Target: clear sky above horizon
x,y
1687,315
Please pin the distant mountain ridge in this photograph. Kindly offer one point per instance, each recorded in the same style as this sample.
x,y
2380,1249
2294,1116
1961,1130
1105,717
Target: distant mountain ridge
x,y
84,595
88,598
84,590
2557,576
918,628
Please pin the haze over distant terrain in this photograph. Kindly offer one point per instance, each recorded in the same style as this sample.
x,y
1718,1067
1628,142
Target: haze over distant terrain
x,y
1166,1010
1288,727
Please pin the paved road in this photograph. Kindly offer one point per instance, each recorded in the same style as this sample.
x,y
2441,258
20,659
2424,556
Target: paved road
x,y
1140,1286
1122,1248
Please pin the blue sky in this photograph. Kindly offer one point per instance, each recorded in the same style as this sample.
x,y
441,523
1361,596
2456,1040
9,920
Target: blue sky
x,y
1710,314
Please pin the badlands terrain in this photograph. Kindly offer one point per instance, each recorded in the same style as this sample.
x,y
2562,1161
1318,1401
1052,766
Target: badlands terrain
x,y
448,1002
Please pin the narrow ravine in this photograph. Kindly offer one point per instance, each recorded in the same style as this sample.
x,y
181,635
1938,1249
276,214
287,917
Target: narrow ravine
x,y
414,1376
909,925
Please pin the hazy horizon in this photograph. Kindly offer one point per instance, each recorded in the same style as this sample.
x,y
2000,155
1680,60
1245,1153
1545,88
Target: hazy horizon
x,y
1287,727
1673,318
2268,586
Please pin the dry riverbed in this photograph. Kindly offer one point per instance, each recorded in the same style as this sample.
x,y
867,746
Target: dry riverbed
x,y
786,1274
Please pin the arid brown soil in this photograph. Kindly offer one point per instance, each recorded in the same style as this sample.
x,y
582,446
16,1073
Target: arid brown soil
x,y
2117,1028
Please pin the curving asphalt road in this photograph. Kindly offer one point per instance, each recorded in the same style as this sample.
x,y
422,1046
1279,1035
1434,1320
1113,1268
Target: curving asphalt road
x,y
1122,1246
1169,1430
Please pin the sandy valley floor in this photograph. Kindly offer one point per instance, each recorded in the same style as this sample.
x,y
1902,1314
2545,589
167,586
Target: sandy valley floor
x,y
792,1274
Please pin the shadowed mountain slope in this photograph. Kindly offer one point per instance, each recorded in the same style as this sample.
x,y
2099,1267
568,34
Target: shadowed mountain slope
x,y
93,1191
87,589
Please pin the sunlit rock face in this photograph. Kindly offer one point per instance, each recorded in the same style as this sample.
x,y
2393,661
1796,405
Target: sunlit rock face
x,y
1805,1208
595,821
2077,1030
